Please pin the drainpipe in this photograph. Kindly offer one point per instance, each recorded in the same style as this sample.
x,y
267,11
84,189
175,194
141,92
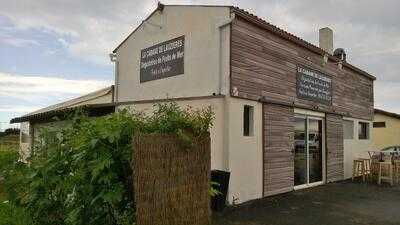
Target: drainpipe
x,y
114,59
222,89
219,26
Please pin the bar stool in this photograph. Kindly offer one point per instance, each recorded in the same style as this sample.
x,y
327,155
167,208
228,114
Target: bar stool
x,y
367,168
389,172
358,169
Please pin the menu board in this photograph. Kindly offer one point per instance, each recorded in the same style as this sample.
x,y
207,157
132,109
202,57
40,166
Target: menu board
x,y
162,60
314,86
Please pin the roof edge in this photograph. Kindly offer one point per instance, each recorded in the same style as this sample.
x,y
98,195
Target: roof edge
x,y
261,22
290,37
56,112
141,23
391,114
161,6
60,106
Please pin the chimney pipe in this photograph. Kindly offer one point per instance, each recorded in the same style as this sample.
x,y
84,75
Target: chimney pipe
x,y
326,39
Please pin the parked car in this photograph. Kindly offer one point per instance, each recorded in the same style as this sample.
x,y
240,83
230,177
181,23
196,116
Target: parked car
x,y
392,150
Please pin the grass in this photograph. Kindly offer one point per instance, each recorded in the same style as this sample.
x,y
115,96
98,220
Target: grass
x,y
9,142
8,151
9,213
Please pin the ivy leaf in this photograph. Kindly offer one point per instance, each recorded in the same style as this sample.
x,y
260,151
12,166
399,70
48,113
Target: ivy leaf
x,y
94,142
113,196
73,216
100,165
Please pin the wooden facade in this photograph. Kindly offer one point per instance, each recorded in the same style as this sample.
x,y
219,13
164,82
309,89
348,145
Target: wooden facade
x,y
334,147
264,68
264,65
278,149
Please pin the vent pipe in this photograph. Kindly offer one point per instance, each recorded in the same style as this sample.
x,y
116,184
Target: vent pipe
x,y
326,39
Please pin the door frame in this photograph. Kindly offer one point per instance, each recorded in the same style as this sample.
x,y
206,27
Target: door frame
x,y
305,114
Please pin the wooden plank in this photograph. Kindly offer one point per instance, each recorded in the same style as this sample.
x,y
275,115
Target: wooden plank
x,y
278,145
334,148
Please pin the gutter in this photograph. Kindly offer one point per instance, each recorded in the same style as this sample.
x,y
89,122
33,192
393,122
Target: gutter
x,y
219,26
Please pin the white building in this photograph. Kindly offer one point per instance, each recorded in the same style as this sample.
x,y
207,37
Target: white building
x,y
284,108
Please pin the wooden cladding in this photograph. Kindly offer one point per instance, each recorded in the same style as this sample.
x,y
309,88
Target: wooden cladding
x,y
334,148
264,65
278,149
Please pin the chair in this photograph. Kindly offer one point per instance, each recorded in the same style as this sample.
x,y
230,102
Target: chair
x,y
385,172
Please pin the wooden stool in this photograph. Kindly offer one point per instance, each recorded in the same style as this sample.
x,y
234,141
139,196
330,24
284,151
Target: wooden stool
x,y
389,170
367,168
358,168
396,165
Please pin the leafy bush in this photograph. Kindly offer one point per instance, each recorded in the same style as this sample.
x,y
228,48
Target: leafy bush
x,y
81,174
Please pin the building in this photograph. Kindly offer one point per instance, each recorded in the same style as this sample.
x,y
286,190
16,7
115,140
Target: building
x,y
386,129
97,103
287,113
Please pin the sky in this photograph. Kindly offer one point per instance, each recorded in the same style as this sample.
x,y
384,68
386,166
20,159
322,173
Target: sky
x,y
52,51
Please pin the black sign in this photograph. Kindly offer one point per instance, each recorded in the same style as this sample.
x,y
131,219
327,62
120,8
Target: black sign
x,y
313,85
162,60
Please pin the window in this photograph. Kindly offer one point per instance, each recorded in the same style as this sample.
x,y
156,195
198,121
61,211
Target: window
x,y
363,131
348,129
248,122
379,124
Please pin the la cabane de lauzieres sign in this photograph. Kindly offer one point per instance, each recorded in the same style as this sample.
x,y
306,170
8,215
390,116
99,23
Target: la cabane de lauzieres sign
x,y
314,85
162,60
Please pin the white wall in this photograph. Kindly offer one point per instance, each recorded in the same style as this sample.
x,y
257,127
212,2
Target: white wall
x,y
206,49
355,148
245,153
206,72
230,150
25,140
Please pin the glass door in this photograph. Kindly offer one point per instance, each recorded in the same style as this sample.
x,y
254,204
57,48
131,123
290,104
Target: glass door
x,y
300,151
315,150
308,151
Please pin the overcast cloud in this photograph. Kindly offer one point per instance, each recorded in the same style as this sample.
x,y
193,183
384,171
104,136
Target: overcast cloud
x,y
78,35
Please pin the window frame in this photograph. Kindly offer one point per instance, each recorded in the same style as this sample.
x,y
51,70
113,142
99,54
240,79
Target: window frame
x,y
363,126
379,124
248,121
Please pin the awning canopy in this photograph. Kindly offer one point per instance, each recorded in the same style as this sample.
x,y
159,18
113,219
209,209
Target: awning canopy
x,y
91,110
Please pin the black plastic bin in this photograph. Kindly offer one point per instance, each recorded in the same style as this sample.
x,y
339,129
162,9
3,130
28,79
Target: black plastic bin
x,y
218,202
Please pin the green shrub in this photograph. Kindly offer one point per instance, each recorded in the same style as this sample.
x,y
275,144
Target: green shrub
x,y
81,174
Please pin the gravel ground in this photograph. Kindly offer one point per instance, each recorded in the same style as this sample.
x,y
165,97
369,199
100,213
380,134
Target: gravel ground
x,y
339,203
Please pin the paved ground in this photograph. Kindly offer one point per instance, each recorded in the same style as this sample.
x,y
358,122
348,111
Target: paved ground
x,y
340,203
